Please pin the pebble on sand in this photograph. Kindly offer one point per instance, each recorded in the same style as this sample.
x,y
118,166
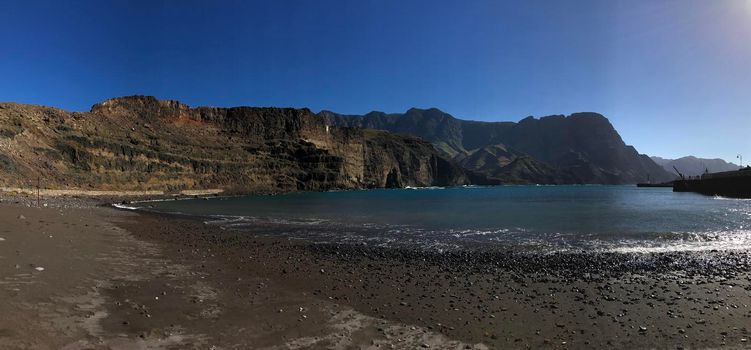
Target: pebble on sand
x,y
2,239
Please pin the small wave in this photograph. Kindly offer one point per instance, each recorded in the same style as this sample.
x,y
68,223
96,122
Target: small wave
x,y
240,220
473,232
321,230
157,200
185,198
721,198
473,186
424,188
687,242
123,206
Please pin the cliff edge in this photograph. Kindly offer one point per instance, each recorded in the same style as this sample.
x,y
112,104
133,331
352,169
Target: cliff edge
x,y
142,143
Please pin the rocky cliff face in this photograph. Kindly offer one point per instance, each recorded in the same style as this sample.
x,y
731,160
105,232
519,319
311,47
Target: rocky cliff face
x,y
141,143
580,148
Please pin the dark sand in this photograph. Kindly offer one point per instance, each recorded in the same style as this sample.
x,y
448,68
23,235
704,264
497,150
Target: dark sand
x,y
501,299
103,287
116,279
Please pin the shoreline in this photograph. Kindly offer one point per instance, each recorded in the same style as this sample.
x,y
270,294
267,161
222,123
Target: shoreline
x,y
105,287
632,300
177,282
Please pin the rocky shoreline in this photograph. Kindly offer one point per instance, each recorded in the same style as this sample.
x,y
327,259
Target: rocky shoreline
x,y
118,279
502,299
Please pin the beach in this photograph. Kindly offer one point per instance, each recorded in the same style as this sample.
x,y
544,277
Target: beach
x,y
74,276
79,275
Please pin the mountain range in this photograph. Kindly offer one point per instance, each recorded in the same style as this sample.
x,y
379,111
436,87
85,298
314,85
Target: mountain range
x,y
141,143
692,166
582,148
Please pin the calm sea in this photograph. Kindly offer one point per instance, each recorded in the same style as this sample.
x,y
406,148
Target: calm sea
x,y
552,218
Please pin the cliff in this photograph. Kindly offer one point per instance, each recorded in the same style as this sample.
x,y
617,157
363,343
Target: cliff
x,y
141,143
575,149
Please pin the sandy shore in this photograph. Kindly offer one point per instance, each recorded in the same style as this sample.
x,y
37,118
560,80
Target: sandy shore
x,y
118,279
47,193
77,276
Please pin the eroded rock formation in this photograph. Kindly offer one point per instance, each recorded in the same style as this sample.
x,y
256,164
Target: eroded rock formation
x,y
142,143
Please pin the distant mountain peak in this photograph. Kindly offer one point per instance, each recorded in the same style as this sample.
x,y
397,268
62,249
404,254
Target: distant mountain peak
x,y
374,112
551,117
431,110
578,116
692,166
587,115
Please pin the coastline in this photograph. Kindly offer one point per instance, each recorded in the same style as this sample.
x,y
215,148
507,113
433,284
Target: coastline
x,y
102,284
503,299
154,280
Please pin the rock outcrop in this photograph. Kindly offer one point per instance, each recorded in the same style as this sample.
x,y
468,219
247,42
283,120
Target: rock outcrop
x,y
141,143
578,149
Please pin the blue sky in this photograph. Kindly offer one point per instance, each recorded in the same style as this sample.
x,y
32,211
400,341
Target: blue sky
x,y
674,77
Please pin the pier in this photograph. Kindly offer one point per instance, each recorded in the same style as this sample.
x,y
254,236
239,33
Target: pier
x,y
733,184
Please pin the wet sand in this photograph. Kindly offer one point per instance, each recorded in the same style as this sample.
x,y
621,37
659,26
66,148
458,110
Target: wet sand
x,y
118,279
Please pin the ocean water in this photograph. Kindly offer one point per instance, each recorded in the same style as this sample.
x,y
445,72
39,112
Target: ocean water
x,y
547,218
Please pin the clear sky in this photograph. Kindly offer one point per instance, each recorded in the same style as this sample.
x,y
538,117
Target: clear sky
x,y
674,77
